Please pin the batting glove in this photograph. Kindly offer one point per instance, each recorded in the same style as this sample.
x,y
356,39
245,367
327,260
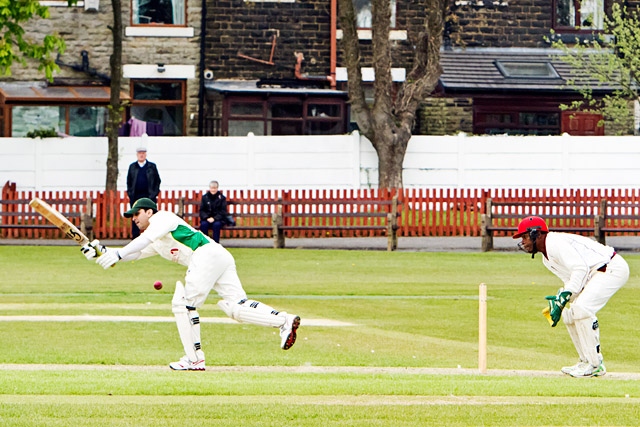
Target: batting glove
x,y
556,305
93,250
108,259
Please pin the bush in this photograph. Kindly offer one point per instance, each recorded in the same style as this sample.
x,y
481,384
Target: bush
x,y
42,133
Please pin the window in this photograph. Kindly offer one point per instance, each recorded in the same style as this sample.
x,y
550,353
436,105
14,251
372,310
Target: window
x,y
579,14
523,123
363,13
71,120
161,103
285,115
527,70
87,121
510,117
71,110
158,12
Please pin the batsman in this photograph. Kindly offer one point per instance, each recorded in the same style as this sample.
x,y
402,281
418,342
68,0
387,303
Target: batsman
x,y
209,267
591,272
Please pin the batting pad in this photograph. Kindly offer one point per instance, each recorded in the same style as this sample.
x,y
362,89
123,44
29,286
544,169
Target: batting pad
x,y
253,312
184,323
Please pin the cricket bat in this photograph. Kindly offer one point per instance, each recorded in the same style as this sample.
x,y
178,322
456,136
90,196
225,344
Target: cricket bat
x,y
59,220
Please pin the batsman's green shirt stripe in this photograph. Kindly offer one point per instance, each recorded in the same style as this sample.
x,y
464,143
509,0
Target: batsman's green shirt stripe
x,y
189,237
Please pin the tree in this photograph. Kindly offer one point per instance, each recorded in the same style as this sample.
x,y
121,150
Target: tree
x,y
115,105
389,121
13,14
612,58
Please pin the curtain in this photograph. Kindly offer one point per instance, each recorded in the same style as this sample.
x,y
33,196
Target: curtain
x,y
178,12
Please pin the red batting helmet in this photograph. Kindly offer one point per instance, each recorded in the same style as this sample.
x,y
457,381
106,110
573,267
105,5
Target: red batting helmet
x,y
531,223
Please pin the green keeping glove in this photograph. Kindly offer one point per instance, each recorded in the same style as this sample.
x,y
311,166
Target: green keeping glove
x,y
556,305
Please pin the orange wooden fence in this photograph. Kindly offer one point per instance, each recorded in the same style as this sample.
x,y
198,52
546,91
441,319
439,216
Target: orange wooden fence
x,y
423,211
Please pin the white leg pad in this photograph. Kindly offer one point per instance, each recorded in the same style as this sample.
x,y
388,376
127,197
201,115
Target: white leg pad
x,y
183,321
589,334
575,338
194,318
567,318
253,312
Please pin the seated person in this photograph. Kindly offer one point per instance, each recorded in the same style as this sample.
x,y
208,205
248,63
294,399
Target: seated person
x,y
213,212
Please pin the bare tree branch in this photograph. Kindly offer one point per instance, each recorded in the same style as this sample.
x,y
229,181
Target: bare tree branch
x,y
388,124
351,49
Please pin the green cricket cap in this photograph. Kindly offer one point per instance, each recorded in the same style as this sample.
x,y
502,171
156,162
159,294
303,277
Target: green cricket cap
x,y
143,203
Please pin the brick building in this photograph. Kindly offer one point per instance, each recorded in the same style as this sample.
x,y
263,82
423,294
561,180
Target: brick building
x,y
500,74
276,66
205,67
160,63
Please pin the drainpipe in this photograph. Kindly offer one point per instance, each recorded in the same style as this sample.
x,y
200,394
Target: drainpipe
x,y
202,90
331,78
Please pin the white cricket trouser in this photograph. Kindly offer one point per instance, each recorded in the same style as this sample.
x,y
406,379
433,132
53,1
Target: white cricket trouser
x,y
212,267
603,285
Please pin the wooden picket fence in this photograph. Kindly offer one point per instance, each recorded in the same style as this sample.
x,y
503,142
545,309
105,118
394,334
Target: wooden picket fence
x,y
423,211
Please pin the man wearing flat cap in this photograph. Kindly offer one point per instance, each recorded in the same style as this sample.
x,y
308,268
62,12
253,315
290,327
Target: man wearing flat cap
x,y
143,181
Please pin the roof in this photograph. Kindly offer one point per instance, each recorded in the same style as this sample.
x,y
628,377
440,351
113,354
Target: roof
x,y
251,86
34,92
476,70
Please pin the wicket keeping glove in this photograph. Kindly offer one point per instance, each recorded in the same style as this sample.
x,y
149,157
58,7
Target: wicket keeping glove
x,y
556,305
93,250
108,259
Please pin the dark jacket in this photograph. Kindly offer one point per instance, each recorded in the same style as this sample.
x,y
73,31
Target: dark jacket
x,y
214,206
153,179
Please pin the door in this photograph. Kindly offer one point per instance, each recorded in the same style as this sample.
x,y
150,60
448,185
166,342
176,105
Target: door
x,y
582,124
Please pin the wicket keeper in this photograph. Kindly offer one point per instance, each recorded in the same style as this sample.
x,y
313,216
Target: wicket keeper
x,y
591,273
209,266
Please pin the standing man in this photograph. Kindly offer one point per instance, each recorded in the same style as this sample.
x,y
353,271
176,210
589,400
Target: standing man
x,y
143,180
213,212
209,266
591,273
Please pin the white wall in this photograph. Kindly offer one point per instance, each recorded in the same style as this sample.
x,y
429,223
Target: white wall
x,y
345,161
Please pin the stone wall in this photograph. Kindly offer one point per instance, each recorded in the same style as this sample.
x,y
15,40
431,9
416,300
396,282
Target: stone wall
x,y
83,30
445,116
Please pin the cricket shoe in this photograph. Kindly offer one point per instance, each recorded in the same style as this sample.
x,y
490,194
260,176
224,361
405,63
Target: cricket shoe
x,y
185,364
288,331
580,365
589,371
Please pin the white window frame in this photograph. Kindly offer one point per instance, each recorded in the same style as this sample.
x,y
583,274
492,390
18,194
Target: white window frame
x,y
368,34
159,30
593,8
363,13
60,3
179,13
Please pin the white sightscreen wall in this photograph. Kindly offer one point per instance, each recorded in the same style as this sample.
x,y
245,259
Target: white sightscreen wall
x,y
341,161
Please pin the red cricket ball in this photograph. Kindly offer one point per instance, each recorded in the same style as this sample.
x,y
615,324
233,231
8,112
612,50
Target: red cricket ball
x,y
157,285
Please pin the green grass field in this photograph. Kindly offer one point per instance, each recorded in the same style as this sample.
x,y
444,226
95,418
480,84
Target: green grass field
x,y
409,358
